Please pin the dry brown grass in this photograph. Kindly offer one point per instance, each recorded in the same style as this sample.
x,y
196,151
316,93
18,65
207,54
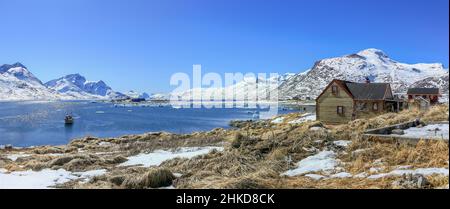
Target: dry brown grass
x,y
436,113
438,181
423,155
335,183
154,178
258,156
278,154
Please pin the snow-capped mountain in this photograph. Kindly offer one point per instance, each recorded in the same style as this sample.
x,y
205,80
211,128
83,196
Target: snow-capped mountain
x,y
17,83
76,86
135,94
371,63
146,96
159,96
249,88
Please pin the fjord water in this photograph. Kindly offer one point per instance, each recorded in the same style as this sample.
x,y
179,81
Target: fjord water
x,y
25,124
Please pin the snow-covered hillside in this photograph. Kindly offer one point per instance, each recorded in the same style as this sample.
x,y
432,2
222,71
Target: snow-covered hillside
x,y
76,86
372,63
249,88
440,81
135,94
17,83
159,96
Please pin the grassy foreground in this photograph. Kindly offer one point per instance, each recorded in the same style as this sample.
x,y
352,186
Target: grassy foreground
x,y
254,156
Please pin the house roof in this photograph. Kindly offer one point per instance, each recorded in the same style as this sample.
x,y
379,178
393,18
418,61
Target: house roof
x,y
423,91
368,91
363,91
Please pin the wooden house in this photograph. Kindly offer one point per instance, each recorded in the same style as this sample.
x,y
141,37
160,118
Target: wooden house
x,y
342,101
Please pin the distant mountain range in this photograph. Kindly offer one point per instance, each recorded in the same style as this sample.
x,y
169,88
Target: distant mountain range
x,y
18,83
77,87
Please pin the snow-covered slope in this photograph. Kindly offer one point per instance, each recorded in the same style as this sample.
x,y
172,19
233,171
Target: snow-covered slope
x,y
159,96
246,89
76,86
135,94
372,63
17,83
434,82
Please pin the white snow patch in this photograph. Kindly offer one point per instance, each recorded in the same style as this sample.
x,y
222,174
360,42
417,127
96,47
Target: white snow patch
x,y
42,179
359,151
404,167
433,131
278,120
158,156
316,128
375,169
177,175
315,176
318,141
361,175
342,143
168,187
422,171
304,118
105,144
55,154
341,175
87,175
14,157
323,161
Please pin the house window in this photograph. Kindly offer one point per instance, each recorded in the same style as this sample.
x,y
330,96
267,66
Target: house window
x,y
334,90
361,106
375,106
340,110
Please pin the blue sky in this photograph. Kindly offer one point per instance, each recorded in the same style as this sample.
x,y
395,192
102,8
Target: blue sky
x,y
139,44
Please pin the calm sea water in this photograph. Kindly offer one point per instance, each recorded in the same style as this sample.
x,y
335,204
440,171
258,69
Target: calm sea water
x,y
42,123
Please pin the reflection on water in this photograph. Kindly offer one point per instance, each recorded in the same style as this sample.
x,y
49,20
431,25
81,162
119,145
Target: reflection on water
x,y
41,123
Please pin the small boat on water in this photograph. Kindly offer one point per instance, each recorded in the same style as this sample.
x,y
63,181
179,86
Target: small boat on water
x,y
68,120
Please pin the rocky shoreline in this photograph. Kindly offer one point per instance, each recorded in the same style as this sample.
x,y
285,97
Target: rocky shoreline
x,y
255,154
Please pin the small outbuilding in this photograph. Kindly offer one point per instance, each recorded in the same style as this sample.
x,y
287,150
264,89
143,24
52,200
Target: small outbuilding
x,y
431,95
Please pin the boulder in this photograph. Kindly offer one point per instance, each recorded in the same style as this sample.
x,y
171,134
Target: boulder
x,y
410,181
317,128
117,180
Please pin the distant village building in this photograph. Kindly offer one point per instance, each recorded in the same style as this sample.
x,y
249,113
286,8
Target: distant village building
x,y
430,94
342,101
423,98
137,100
